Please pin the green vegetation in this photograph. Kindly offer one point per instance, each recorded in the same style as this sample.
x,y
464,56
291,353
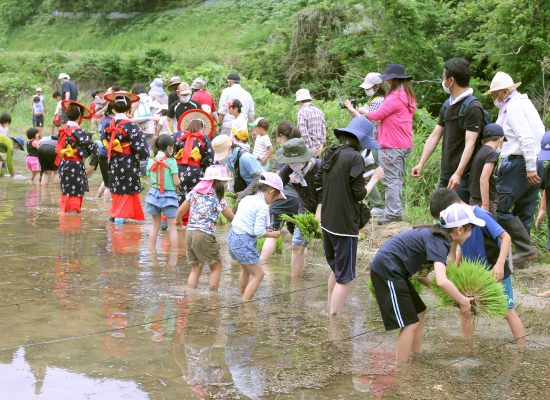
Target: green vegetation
x,y
310,227
417,286
278,245
473,280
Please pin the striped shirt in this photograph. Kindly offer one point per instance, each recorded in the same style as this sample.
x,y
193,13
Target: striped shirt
x,y
312,125
252,216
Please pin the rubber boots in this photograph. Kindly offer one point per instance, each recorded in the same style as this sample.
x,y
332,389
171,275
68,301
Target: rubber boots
x,y
521,239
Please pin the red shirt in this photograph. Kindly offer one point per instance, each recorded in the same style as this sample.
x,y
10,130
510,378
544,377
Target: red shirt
x,y
92,109
204,98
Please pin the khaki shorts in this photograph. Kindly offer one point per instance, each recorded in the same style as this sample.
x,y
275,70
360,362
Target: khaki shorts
x,y
202,248
95,124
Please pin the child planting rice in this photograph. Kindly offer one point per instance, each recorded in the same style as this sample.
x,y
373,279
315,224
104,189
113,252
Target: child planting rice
x,y
419,287
489,246
413,254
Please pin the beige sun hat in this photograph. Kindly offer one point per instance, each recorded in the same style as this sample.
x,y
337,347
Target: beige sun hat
x,y
221,145
302,94
501,81
372,78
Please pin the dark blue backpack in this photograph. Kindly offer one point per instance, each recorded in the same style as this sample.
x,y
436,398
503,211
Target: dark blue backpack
x,y
461,116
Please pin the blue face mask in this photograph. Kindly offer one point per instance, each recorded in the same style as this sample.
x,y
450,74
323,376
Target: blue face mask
x,y
231,162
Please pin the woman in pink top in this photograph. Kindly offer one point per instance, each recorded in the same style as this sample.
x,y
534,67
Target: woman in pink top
x,y
395,137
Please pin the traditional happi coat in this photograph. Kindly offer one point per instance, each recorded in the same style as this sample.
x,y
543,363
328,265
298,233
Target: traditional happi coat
x,y
193,153
128,146
73,147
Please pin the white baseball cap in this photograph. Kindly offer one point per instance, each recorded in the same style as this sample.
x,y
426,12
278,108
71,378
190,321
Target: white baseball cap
x,y
39,89
372,78
458,215
303,94
64,76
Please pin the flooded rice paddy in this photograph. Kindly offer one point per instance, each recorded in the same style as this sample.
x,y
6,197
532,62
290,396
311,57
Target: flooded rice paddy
x,y
88,312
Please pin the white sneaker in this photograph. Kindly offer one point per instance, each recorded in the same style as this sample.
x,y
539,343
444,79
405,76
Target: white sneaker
x,y
377,212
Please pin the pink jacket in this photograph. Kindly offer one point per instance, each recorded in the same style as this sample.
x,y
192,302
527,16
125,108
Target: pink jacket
x,y
396,117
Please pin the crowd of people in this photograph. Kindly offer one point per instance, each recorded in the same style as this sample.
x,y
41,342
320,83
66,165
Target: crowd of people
x,y
191,153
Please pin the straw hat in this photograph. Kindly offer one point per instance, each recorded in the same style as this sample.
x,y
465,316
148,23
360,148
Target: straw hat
x,y
84,111
501,81
173,83
302,94
112,97
221,145
190,115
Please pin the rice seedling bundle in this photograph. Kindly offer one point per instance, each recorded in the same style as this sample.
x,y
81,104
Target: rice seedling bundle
x,y
231,195
222,220
473,280
417,286
278,245
310,227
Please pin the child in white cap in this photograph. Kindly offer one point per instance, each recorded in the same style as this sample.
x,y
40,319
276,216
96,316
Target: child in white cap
x,y
249,224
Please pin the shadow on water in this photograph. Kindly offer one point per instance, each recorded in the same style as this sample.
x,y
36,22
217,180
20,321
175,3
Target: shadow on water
x,y
88,311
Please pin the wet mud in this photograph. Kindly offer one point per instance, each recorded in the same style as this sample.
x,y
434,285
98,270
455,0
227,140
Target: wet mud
x,y
89,312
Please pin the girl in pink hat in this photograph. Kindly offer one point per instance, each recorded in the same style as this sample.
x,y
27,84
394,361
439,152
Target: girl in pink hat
x,y
205,203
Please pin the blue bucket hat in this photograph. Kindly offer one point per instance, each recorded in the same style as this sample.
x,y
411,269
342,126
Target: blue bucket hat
x,y
362,128
19,141
545,147
394,71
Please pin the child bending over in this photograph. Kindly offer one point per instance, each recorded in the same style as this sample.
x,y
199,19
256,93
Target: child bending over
x,y
32,158
250,223
413,254
205,203
162,197
489,244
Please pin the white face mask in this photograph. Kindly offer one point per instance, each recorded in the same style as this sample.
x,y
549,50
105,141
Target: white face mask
x,y
370,92
185,98
445,88
297,166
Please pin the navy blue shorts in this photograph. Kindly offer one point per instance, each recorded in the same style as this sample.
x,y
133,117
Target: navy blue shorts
x,y
341,255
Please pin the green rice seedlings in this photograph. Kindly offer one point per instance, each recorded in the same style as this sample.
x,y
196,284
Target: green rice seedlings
x,y
278,245
419,287
310,227
222,220
473,280
231,195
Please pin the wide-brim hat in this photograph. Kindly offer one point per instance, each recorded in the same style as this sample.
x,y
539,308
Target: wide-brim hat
x,y
173,83
111,97
302,94
544,154
372,78
361,128
19,141
295,151
221,145
85,113
501,81
216,172
190,115
394,71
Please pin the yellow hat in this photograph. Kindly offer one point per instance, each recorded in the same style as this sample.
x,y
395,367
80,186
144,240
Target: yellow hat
x,y
242,134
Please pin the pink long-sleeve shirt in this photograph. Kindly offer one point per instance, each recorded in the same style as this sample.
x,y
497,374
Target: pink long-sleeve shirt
x,y
396,118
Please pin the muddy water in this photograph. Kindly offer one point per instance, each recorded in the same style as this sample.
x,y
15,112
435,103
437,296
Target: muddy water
x,y
87,311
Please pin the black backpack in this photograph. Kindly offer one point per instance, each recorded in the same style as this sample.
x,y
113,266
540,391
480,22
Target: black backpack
x,y
461,117
240,183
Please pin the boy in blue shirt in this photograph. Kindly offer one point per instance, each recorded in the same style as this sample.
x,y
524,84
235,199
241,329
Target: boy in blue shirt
x,y
489,244
38,116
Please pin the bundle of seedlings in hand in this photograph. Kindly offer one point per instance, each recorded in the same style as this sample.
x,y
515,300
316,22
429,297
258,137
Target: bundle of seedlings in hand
x,y
222,220
232,201
473,280
278,245
310,227
417,286
231,195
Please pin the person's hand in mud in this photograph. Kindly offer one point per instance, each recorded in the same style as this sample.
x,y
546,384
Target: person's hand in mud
x,y
498,271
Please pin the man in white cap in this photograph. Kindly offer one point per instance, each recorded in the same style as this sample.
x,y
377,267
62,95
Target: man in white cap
x,y
203,97
234,91
311,122
68,92
520,172
176,110
39,94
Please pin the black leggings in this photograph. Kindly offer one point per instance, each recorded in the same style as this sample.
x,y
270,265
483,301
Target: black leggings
x,y
46,158
104,168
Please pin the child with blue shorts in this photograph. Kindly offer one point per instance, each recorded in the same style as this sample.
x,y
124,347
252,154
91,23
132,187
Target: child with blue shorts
x,y
162,197
489,244
249,224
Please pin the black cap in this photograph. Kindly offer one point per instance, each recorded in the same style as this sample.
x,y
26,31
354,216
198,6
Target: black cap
x,y
234,77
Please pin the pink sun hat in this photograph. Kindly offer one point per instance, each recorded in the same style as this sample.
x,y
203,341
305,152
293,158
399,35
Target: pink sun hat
x,y
273,180
216,172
